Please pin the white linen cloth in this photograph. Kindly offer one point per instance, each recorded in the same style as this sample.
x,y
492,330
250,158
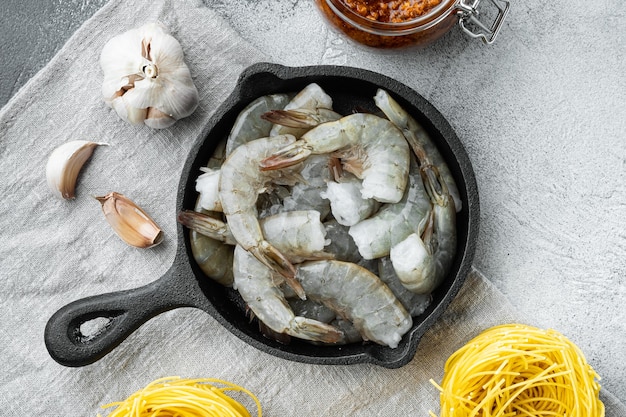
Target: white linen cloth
x,y
53,252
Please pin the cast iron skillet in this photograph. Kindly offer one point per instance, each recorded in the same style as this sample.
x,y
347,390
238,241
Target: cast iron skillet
x,y
184,284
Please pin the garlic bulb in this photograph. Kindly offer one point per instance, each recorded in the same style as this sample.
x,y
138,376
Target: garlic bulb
x,y
146,79
129,221
64,165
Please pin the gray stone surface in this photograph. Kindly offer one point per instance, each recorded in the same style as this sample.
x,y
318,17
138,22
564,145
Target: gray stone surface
x,y
31,32
541,113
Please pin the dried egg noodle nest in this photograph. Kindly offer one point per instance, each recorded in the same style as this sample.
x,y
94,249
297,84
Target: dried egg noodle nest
x,y
518,370
173,396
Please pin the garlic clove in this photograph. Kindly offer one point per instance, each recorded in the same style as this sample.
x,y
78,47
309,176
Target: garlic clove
x,y
156,119
64,165
164,47
185,101
145,93
128,113
129,221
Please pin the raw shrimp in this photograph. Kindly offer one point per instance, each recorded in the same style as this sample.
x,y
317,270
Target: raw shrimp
x,y
422,262
357,295
393,222
415,304
258,287
419,140
372,148
346,201
299,235
311,97
249,125
240,184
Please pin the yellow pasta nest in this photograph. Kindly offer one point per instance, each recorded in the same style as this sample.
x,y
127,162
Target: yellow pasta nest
x,y
519,370
173,396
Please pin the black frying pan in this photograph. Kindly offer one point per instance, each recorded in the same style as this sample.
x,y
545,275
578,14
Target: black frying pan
x,y
185,285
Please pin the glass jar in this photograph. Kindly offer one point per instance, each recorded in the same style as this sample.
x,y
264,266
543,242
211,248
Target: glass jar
x,y
417,31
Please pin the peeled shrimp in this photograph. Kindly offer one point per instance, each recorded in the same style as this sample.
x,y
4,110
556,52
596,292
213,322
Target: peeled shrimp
x,y
258,288
419,140
393,222
370,147
240,184
422,261
249,125
359,296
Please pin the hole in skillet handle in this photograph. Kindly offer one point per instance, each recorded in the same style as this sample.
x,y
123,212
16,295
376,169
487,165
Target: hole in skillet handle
x,y
351,89
116,316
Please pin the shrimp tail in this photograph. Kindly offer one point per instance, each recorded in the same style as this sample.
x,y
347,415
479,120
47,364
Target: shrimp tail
x,y
276,261
289,118
286,157
434,184
310,329
206,225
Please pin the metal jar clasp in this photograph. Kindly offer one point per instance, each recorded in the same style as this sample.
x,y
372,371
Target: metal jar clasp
x,y
468,19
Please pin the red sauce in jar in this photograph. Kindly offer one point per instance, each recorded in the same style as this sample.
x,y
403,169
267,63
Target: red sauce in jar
x,y
390,23
394,11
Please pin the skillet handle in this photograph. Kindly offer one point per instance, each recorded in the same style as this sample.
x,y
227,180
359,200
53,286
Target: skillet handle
x,y
112,316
